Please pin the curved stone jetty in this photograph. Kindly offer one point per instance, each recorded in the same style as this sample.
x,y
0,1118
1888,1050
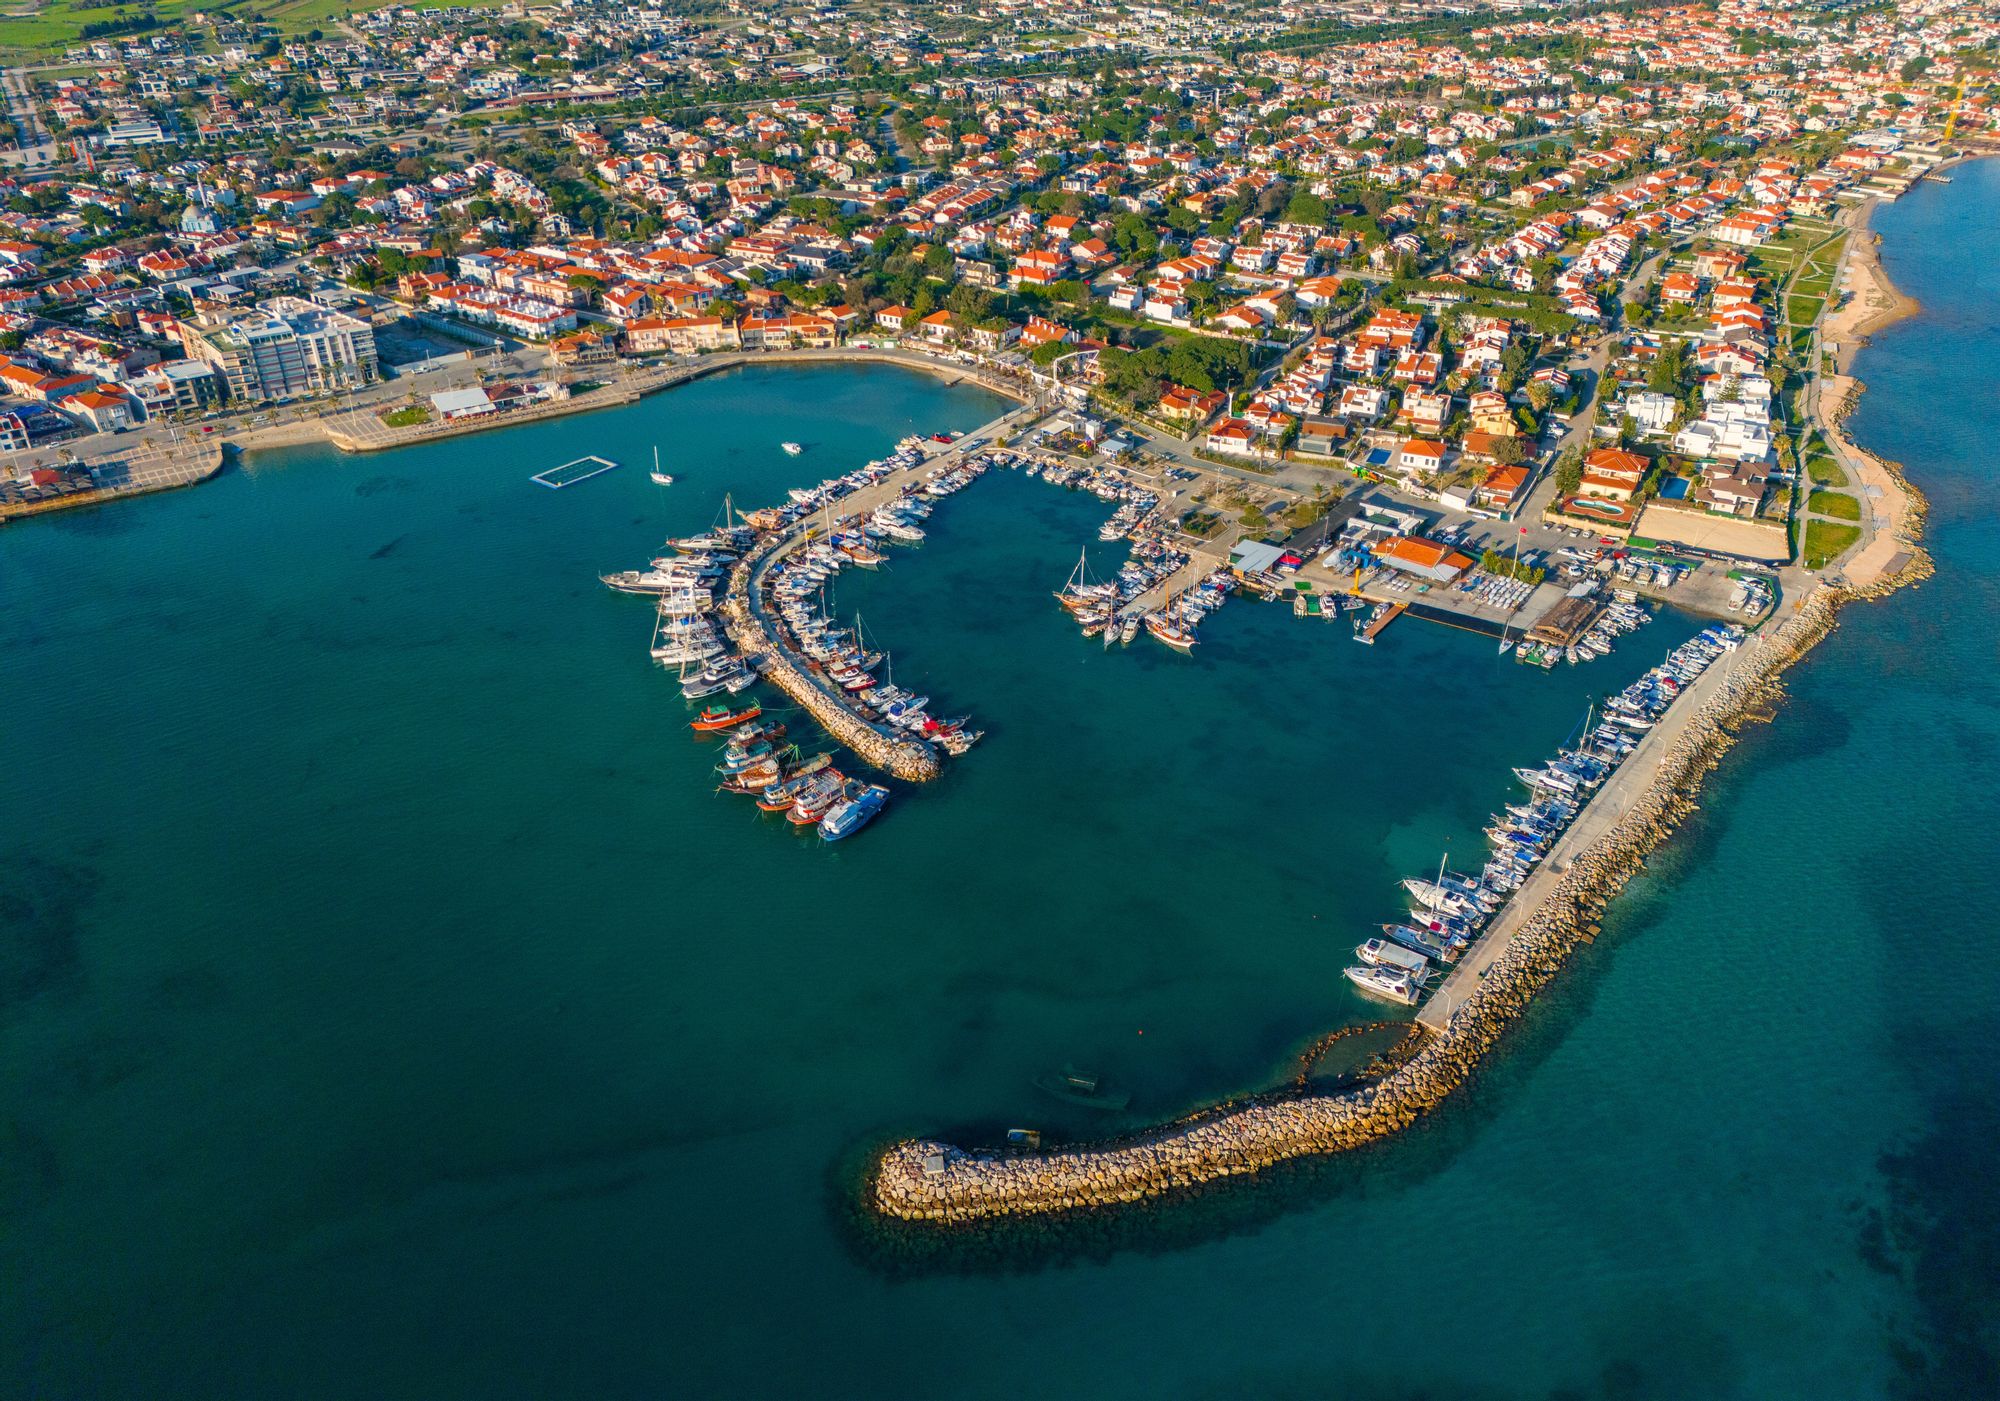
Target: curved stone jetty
x,y
902,756
927,1181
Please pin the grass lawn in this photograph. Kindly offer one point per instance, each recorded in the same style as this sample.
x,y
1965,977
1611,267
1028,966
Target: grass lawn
x,y
1825,541
408,416
1835,503
1805,310
57,24
1824,470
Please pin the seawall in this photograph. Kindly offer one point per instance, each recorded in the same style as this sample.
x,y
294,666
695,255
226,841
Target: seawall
x,y
906,758
148,469
361,431
940,1184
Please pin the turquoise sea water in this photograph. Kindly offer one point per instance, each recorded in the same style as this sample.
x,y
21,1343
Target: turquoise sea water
x,y
387,1007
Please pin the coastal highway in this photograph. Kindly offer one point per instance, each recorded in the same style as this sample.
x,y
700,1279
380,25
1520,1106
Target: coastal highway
x,y
1607,807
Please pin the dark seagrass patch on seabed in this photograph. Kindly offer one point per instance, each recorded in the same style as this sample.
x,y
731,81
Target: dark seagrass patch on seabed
x,y
42,904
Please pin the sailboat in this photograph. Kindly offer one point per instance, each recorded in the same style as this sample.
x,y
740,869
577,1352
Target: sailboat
x,y
663,478
1505,641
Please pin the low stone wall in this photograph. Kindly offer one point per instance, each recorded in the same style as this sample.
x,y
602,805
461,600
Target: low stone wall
x,y
1246,1138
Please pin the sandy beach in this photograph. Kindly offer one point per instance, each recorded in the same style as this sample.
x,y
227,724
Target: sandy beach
x,y
1874,303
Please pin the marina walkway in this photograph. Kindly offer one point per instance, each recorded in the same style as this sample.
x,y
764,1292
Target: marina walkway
x,y
856,505
1605,810
1198,567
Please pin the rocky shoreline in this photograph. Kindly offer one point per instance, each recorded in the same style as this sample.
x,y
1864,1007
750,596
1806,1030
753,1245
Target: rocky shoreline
x,y
927,1182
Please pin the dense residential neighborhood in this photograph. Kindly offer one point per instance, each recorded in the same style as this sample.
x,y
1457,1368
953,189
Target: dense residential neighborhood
x,y
1477,256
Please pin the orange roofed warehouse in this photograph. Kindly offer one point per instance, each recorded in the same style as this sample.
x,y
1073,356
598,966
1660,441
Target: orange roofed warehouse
x,y
1424,558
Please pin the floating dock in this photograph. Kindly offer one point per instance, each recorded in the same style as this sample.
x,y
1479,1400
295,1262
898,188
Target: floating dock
x,y
570,473
1374,628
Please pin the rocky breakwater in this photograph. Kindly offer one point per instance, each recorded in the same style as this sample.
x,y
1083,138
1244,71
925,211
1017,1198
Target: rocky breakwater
x,y
925,1181
901,756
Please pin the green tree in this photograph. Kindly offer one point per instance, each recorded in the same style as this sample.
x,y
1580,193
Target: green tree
x,y
1569,471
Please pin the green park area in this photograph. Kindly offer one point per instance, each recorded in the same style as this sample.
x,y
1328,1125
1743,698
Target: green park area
x,y
1826,541
1835,503
42,28
1823,470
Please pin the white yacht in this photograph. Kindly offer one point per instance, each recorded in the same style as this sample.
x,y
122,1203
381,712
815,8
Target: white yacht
x,y
1389,984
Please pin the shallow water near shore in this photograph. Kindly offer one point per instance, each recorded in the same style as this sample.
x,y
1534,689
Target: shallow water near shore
x,y
388,1007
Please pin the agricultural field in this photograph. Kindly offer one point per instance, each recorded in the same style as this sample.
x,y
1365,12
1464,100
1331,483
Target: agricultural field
x,y
42,27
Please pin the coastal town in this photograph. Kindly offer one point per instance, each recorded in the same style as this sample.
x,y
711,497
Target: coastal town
x,y
1583,276
1524,322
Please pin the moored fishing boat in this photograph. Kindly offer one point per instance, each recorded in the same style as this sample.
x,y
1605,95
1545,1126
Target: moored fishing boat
x,y
816,797
721,717
853,813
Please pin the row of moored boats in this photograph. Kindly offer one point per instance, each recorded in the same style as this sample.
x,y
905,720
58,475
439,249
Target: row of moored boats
x,y
839,656
684,582
809,792
1449,908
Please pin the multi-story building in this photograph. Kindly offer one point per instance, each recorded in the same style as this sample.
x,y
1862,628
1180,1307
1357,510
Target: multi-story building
x,y
283,348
